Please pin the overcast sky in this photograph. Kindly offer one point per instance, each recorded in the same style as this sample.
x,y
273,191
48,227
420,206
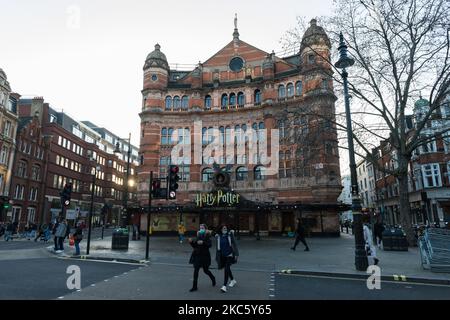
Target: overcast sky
x,y
86,57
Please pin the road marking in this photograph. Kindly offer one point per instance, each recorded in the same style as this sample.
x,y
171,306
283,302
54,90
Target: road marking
x,y
61,297
355,279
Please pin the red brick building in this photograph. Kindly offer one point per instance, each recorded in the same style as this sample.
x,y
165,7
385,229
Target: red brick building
x,y
242,92
69,152
429,173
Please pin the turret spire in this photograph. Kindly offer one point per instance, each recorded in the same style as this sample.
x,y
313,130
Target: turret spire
x,y
236,32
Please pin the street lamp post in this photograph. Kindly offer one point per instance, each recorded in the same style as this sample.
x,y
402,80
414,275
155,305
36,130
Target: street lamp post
x,y
96,168
344,62
124,217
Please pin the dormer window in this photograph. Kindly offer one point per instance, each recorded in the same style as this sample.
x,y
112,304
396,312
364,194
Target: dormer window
x,y
311,58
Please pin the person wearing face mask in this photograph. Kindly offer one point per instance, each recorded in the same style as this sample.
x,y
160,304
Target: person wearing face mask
x,y
200,257
226,255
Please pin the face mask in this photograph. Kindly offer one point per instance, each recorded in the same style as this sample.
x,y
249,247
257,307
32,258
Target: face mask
x,y
224,231
202,231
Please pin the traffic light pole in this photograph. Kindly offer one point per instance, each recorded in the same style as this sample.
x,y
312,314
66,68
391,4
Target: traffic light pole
x,y
90,213
147,244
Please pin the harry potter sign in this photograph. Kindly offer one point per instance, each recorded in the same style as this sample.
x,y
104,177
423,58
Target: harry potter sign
x,y
217,198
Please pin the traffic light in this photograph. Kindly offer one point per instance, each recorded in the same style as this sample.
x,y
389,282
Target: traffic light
x,y
173,181
5,203
66,194
156,186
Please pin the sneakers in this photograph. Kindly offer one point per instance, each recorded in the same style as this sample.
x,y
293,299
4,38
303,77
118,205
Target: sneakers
x,y
193,289
223,289
58,251
232,283
375,261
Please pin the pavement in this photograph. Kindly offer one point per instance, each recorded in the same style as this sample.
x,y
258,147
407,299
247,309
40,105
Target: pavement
x,y
327,256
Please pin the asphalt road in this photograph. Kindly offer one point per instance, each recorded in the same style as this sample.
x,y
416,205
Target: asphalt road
x,y
46,278
303,287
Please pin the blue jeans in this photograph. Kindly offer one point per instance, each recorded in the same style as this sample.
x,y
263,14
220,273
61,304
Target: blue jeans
x,y
8,235
181,237
77,248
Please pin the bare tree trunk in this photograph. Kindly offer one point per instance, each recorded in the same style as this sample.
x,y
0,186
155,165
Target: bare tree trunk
x,y
405,209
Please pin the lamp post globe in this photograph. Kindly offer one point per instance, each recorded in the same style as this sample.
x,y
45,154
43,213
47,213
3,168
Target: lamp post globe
x,y
361,262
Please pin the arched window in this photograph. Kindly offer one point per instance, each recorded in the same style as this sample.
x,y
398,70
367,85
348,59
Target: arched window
x,y
257,97
36,172
207,174
298,88
224,101
243,132
168,102
227,135
281,92
204,137
281,169
290,90
237,133
208,102
170,133
259,172
210,134
184,103
282,129
232,99
176,103
221,135
241,174
241,99
261,131
164,136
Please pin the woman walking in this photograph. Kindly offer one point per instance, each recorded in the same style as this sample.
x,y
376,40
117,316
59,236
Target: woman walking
x,y
226,255
200,257
77,237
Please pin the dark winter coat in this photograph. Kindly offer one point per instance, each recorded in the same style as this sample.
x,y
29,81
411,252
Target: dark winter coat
x,y
201,256
378,229
233,244
78,234
300,230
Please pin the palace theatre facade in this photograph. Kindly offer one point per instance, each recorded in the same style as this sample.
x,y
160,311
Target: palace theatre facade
x,y
239,93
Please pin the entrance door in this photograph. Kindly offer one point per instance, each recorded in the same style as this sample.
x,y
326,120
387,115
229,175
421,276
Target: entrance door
x,y
287,221
228,218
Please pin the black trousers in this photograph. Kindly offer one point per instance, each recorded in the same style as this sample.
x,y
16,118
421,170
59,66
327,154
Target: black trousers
x,y
205,270
60,243
298,239
56,243
227,262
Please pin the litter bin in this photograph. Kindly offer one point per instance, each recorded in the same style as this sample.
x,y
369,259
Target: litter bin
x,y
120,239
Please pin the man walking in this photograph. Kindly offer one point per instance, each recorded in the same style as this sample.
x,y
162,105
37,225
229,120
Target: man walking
x,y
300,235
61,233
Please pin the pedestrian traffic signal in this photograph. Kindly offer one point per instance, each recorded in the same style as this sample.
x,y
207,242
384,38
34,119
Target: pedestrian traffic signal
x,y
173,181
66,194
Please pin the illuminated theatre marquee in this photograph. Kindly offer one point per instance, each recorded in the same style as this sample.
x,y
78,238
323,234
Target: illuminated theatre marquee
x,y
217,198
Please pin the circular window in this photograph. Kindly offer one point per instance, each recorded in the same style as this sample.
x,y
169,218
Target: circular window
x,y
154,77
236,64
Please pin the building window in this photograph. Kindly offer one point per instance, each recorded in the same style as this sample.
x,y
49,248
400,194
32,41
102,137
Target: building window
x,y
35,173
7,128
164,136
16,214
33,194
257,97
282,129
208,102
184,103
207,174
298,88
232,99
185,173
290,90
429,147
4,155
431,175
259,173
311,58
224,101
241,99
164,162
281,92
176,103
22,169
168,102
241,174
285,166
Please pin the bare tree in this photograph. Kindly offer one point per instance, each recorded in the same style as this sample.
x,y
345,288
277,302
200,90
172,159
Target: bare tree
x,y
401,49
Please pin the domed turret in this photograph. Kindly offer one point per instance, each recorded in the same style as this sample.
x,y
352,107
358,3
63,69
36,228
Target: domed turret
x,y
156,59
421,103
314,35
4,80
